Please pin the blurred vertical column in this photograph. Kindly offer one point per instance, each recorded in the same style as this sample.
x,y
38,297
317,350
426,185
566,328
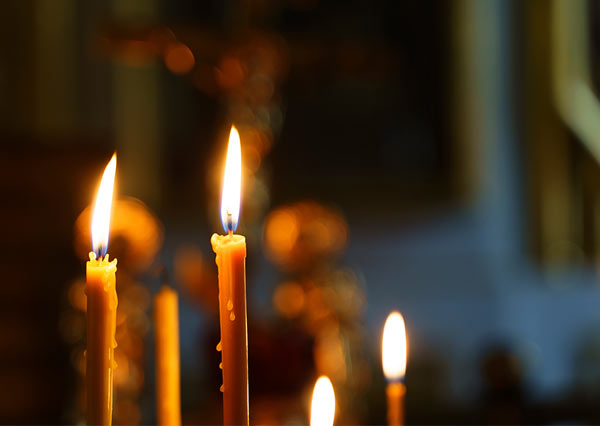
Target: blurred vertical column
x,y
549,167
137,118
486,157
57,83
578,105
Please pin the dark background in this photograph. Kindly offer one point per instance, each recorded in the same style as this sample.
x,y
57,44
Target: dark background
x,y
439,158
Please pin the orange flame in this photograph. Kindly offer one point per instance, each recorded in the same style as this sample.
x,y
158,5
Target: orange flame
x,y
232,182
102,209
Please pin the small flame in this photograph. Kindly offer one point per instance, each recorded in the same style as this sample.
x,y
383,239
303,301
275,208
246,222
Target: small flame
x,y
322,409
393,347
102,209
232,182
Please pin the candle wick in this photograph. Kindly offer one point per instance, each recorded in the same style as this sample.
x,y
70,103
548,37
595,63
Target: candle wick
x,y
229,223
100,252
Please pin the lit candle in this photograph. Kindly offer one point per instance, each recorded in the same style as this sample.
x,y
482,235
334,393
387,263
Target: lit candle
x,y
166,326
393,357
231,262
322,408
101,313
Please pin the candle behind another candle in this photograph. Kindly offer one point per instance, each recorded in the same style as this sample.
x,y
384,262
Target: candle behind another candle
x,y
166,326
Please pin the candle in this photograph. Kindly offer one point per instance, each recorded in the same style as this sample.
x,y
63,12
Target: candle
x,y
101,312
230,252
393,357
166,326
322,408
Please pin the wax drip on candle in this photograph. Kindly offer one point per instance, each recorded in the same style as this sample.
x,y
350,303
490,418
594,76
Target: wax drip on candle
x,y
230,305
219,347
231,316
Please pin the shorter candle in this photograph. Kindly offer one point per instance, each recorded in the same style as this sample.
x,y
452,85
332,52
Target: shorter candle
x,y
393,357
322,408
166,326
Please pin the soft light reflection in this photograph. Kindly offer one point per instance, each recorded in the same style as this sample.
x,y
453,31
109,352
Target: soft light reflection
x,y
393,347
322,408
232,182
179,59
102,209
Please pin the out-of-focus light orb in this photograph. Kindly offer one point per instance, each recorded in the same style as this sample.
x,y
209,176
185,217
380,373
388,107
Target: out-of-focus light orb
x,y
136,234
393,347
288,299
303,233
230,73
281,232
179,59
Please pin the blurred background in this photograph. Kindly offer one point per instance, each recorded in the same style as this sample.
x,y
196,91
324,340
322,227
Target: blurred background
x,y
436,157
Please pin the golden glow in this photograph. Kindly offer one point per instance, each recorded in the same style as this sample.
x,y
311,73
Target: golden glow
x,y
102,209
179,59
232,182
322,408
393,347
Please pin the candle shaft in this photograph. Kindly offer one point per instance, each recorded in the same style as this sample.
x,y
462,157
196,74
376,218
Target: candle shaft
x,y
101,318
166,325
231,262
395,403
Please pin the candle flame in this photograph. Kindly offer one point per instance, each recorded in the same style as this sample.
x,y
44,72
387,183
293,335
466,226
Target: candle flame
x,y
102,209
232,182
322,409
393,347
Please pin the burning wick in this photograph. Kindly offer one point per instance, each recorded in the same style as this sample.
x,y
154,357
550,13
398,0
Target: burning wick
x,y
229,223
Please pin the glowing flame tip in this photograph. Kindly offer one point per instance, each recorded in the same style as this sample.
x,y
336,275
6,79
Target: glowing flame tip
x,y
393,347
322,409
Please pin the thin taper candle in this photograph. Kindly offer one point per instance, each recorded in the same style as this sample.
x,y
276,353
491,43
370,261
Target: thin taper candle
x,y
101,309
166,326
230,253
